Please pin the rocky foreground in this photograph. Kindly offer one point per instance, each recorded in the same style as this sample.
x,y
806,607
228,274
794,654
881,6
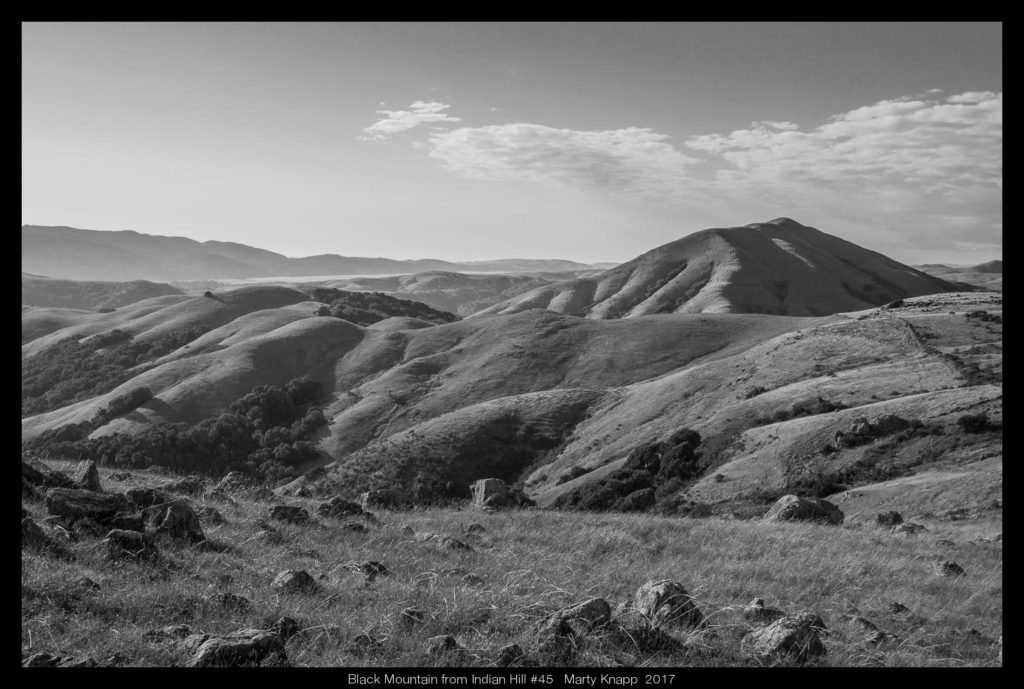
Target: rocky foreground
x,y
144,569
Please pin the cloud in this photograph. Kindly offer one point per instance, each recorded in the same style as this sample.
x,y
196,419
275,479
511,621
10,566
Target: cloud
x,y
632,161
420,112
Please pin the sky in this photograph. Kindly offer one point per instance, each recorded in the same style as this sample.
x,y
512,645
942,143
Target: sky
x,y
473,141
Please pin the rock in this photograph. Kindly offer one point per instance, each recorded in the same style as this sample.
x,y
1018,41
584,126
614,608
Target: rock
x,y
174,631
945,543
236,482
337,508
438,646
130,545
90,528
33,536
666,602
476,528
493,494
897,608
189,485
510,656
888,424
370,569
243,648
557,644
74,504
285,627
294,581
907,529
408,530
192,642
362,644
141,498
354,527
383,499
119,475
794,508
176,520
289,513
472,580
87,584
642,639
443,542
210,515
229,601
756,613
87,476
891,518
411,616
586,616
948,568
794,637
223,496
42,477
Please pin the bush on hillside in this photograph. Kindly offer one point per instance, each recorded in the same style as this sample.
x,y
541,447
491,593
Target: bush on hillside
x,y
973,423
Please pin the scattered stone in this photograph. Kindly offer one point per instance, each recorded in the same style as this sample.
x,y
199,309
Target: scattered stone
x,y
290,514
891,518
285,627
666,602
794,637
370,569
477,528
586,616
246,647
948,568
756,613
87,476
294,581
442,541
411,616
337,508
130,545
176,520
438,646
896,608
907,529
210,515
793,508
74,504
174,631
510,656
229,601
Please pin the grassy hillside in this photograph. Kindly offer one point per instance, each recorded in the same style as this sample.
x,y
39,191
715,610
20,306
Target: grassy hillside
x,y
987,276
91,295
527,564
777,267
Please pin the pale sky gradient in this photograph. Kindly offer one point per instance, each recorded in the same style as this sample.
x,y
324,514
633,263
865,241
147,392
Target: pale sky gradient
x,y
592,142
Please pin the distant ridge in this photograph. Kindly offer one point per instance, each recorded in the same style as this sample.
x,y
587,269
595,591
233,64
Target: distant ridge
x,y
74,254
776,267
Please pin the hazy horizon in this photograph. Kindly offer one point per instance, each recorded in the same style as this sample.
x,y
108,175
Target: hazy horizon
x,y
590,142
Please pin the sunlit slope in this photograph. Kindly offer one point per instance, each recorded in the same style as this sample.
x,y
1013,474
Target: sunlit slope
x,y
778,267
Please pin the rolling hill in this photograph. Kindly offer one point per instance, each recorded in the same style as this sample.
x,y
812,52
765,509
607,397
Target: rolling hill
x,y
778,267
74,254
37,290
988,275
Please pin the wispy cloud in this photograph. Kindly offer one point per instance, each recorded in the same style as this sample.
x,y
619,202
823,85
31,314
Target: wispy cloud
x,y
630,161
420,112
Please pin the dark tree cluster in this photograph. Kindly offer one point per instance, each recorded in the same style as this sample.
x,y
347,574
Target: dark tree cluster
x,y
366,308
651,473
266,432
74,370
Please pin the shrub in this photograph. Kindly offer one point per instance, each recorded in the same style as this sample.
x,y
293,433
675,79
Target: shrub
x,y
973,423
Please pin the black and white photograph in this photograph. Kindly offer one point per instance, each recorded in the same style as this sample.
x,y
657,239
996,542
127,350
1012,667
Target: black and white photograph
x,y
511,352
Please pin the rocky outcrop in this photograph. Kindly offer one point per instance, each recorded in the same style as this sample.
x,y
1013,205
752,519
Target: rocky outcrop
x,y
794,637
493,494
664,602
294,581
443,542
891,518
862,431
74,504
790,508
756,613
290,514
176,520
948,568
87,476
243,648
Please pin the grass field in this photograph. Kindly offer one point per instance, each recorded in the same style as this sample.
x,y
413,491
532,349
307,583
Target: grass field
x,y
529,563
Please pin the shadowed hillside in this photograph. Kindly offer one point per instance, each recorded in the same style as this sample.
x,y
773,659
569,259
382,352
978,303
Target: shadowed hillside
x,y
778,267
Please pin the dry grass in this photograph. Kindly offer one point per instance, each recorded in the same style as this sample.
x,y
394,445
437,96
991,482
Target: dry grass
x,y
531,562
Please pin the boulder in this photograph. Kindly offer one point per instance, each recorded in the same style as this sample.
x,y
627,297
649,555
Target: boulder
x,y
290,514
382,498
370,569
338,508
294,581
189,485
87,476
285,627
210,515
510,656
891,518
42,477
557,644
33,536
756,613
176,520
75,504
236,482
794,637
438,646
443,542
948,568
888,424
476,528
246,647
586,616
793,508
494,494
665,602
130,545
907,529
